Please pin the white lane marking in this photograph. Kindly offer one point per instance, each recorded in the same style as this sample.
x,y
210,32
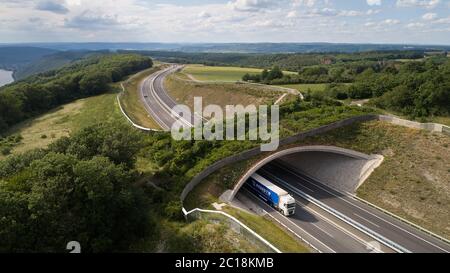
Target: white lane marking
x,y
291,222
341,216
336,225
305,187
368,221
319,228
392,224
147,106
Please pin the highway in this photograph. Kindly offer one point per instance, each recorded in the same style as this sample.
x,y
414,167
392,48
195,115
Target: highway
x,y
322,230
158,103
383,227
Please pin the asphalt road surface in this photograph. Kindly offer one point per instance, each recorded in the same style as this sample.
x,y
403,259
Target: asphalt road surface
x,y
158,103
406,236
319,228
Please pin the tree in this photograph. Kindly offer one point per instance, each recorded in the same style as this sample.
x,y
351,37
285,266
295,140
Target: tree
x,y
91,201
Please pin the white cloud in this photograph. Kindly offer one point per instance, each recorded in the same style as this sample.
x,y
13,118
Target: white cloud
x,y
307,3
390,22
251,5
429,4
429,16
373,11
373,2
415,25
204,15
292,14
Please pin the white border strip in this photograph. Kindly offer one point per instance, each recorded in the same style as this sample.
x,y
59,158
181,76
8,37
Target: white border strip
x,y
186,213
346,219
402,219
127,117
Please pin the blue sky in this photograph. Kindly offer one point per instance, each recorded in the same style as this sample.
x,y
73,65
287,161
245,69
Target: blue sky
x,y
341,21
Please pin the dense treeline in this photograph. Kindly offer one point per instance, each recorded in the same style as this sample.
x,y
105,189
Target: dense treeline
x,y
417,89
52,62
287,62
266,76
81,188
36,94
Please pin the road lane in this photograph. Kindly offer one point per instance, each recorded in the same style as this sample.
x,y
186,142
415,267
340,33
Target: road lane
x,y
325,232
158,103
401,233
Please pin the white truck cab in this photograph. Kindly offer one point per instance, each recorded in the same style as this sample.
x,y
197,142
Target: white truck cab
x,y
287,205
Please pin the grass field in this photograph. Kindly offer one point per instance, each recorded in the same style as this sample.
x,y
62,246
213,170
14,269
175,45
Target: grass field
x,y
43,130
218,73
131,102
303,88
270,231
222,94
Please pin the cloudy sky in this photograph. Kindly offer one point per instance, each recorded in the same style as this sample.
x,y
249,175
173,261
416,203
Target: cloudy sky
x,y
352,21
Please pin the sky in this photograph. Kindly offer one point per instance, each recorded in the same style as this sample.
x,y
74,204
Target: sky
x,y
218,21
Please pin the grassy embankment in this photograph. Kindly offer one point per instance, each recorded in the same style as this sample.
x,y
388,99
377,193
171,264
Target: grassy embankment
x,y
411,182
222,94
45,129
213,186
131,100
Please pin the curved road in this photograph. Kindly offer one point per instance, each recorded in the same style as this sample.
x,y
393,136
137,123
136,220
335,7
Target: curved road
x,y
158,103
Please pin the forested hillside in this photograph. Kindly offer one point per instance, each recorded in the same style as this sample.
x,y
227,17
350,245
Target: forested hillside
x,y
51,62
287,62
12,58
36,94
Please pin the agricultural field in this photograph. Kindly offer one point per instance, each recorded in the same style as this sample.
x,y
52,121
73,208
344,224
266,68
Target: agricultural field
x,y
218,73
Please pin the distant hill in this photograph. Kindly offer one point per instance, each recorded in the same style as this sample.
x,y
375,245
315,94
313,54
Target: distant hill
x,y
53,61
241,47
14,57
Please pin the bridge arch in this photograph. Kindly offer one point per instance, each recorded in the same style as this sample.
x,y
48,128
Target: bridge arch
x,y
371,162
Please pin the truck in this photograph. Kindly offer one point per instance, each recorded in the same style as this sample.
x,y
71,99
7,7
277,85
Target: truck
x,y
273,195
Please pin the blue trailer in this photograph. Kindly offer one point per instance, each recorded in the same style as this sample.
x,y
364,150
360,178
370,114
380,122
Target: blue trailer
x,y
271,194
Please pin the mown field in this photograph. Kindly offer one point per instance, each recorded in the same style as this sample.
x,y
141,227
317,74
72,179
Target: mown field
x,y
220,73
222,94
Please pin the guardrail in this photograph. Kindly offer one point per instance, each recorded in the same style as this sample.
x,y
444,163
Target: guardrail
x,y
237,225
346,219
127,117
403,220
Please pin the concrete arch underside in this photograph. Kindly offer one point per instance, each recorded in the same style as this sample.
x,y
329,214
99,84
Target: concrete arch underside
x,y
339,168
